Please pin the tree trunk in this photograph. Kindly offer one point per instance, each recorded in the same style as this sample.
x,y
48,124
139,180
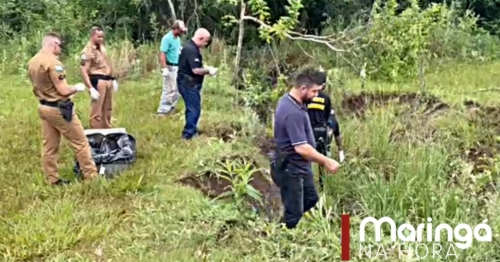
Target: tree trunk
x,y
241,33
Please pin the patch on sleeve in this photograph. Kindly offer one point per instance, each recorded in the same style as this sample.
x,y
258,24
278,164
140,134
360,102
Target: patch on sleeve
x,y
197,60
59,68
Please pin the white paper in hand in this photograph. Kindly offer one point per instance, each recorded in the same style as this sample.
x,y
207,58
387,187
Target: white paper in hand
x,y
212,71
341,156
79,87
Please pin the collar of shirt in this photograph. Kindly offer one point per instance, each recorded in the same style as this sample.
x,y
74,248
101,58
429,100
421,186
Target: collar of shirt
x,y
296,103
194,44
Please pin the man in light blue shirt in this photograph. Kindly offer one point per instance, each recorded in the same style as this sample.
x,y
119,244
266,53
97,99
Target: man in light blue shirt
x,y
170,48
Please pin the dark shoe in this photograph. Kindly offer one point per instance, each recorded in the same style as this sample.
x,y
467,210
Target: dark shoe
x,y
61,182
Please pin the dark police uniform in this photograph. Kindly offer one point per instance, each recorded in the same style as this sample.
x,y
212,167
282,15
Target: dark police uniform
x,y
320,114
190,85
289,170
321,117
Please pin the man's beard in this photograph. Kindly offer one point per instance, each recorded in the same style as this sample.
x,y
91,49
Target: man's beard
x,y
306,99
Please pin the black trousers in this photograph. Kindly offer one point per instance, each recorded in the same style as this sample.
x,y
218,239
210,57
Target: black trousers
x,y
323,146
298,193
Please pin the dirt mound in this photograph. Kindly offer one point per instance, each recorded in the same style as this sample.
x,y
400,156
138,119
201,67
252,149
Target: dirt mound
x,y
358,104
213,186
480,156
266,145
488,119
224,132
486,116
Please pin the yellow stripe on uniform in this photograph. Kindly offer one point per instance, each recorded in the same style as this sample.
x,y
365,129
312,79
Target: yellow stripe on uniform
x,y
319,100
316,106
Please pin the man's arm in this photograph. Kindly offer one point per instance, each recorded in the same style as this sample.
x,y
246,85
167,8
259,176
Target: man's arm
x,y
164,46
195,63
58,77
84,69
294,125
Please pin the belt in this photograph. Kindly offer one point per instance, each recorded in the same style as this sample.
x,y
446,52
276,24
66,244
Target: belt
x,y
102,77
171,64
50,103
320,128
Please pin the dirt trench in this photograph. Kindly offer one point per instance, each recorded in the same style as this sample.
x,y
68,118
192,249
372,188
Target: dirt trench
x,y
428,106
358,104
213,186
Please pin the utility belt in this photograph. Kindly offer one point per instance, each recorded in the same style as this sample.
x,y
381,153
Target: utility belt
x,y
320,131
94,79
172,64
322,138
65,107
190,81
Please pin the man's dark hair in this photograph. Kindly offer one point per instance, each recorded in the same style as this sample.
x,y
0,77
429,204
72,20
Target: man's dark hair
x,y
308,77
322,78
95,29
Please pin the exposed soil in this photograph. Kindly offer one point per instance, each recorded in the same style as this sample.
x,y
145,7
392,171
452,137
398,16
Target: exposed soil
x,y
224,132
359,103
479,157
266,145
422,108
212,186
488,118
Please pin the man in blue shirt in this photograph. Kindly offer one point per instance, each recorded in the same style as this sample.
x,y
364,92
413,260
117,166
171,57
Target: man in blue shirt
x,y
170,49
291,167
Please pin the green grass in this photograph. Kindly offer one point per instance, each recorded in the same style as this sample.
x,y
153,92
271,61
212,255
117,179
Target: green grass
x,y
146,216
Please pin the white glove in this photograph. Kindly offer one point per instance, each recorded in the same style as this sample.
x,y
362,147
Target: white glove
x,y
79,87
330,132
164,71
115,85
212,70
341,156
94,94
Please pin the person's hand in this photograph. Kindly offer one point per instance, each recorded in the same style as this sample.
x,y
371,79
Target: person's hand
x,y
115,85
212,70
80,87
341,156
164,71
94,94
332,165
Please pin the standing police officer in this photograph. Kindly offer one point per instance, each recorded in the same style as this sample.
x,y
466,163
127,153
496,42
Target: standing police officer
x,y
98,77
291,167
324,124
48,77
190,79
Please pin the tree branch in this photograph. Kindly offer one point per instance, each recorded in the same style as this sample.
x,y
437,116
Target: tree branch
x,y
172,9
329,41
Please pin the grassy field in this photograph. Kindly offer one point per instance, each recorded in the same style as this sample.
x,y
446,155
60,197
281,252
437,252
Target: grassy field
x,y
408,158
